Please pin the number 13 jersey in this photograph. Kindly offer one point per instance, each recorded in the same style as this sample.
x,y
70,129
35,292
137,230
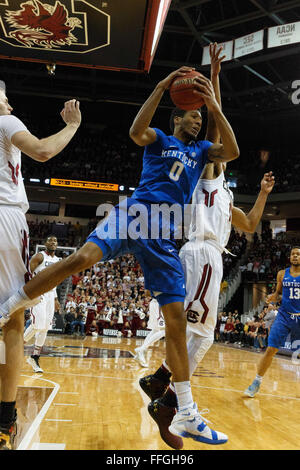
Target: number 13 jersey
x,y
290,302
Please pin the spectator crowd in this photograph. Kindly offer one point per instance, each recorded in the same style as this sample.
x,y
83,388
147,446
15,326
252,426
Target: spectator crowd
x,y
111,296
251,334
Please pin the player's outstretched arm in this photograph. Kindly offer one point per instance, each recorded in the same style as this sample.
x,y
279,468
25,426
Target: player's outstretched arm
x,y
248,223
212,133
140,132
44,149
275,296
229,149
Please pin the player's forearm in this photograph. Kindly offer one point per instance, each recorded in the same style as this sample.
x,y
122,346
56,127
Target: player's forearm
x,y
216,85
55,143
231,149
144,116
212,133
257,211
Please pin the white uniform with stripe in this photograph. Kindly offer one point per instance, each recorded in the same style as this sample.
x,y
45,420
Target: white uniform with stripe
x,y
14,233
156,320
42,313
201,256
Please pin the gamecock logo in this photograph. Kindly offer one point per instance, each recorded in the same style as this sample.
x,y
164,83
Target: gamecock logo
x,y
41,24
72,26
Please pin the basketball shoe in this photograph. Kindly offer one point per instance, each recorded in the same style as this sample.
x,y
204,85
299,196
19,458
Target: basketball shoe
x,y
163,415
252,389
153,387
140,357
189,423
34,362
8,434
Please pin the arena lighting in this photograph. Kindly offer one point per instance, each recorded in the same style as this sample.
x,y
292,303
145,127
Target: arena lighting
x,y
154,26
131,189
34,180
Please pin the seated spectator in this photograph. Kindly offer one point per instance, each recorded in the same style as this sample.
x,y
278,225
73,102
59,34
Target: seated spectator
x,y
223,321
261,336
79,321
237,333
92,329
68,319
229,328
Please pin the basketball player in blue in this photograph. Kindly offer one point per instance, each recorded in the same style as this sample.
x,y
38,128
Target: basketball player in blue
x,y
172,166
287,319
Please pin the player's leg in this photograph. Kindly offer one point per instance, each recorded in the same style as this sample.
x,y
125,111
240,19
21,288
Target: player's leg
x,y
34,359
40,324
151,338
278,333
206,264
14,251
10,373
50,277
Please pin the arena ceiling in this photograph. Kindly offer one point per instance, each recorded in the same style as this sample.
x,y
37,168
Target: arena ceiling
x,y
258,84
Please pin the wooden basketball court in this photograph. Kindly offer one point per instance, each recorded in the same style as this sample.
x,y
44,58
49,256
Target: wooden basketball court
x,y
89,399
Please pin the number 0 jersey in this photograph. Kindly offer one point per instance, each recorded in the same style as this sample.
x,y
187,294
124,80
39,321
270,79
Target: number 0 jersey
x,y
290,302
171,170
12,191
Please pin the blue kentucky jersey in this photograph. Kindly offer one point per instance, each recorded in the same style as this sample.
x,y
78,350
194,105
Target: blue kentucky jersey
x,y
290,302
171,170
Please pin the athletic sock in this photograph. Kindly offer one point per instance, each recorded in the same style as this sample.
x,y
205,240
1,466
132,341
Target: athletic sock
x,y
163,373
259,378
184,395
7,413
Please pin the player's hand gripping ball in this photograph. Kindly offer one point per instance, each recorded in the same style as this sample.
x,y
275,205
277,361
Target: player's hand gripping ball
x,y
183,93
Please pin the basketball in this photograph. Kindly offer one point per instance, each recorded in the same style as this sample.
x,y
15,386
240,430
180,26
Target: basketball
x,y
182,92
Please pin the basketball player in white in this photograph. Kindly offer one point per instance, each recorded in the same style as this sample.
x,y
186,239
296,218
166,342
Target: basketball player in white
x,y
156,324
212,213
14,252
42,313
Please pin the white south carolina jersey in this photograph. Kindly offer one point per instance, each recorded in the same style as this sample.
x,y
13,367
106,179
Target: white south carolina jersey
x,y
156,318
47,261
12,191
211,211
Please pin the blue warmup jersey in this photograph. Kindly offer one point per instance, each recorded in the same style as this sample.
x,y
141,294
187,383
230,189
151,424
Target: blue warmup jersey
x,y
288,317
171,170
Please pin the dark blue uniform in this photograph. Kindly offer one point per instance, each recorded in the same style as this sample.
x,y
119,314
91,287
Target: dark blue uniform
x,y
170,173
288,316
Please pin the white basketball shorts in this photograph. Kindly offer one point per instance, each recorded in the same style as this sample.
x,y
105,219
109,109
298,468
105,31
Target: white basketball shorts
x,y
14,251
203,269
42,314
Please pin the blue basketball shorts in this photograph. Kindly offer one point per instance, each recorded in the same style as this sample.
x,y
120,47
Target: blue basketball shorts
x,y
158,258
283,325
